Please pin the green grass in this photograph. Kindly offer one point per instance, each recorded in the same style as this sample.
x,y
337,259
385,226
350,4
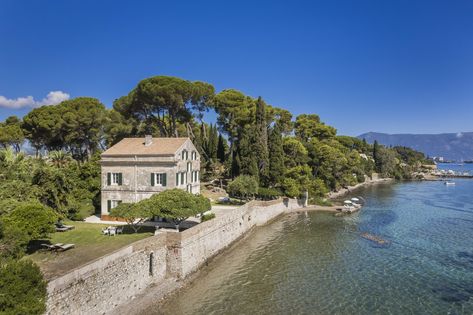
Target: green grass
x,y
89,243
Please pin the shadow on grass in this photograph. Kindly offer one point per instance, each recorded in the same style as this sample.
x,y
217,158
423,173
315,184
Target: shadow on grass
x,y
36,245
127,229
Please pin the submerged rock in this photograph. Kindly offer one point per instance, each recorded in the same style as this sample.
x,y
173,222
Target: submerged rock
x,y
374,238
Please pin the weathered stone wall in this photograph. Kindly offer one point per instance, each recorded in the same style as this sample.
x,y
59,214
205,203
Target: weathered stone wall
x,y
188,250
111,280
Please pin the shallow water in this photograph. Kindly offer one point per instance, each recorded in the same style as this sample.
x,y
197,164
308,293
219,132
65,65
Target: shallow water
x,y
316,263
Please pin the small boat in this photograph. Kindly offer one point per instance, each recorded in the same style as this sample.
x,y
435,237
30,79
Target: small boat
x,y
349,206
450,183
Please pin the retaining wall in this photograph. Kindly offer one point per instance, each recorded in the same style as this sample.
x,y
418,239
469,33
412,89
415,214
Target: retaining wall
x,y
105,283
100,286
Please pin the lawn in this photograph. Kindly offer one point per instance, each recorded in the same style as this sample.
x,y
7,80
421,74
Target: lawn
x,y
89,245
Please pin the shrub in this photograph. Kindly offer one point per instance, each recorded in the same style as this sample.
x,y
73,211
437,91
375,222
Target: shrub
x,y
22,288
26,222
243,186
207,217
268,193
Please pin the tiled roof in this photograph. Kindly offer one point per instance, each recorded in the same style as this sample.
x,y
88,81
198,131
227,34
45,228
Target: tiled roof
x,y
136,146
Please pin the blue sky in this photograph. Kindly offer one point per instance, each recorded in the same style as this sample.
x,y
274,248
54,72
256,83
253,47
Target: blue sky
x,y
387,66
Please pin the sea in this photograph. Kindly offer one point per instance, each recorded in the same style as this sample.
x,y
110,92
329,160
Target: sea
x,y
317,263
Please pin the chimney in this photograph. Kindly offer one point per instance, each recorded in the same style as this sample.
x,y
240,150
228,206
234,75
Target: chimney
x,y
148,140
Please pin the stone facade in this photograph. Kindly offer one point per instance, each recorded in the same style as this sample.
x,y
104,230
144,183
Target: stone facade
x,y
111,281
135,170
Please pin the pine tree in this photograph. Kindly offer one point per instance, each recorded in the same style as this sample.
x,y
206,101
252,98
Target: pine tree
x,y
276,154
221,149
261,142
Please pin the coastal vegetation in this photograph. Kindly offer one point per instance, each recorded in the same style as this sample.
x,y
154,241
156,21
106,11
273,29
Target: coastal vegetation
x,y
49,164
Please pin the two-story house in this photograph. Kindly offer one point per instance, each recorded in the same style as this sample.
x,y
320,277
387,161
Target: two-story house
x,y
136,168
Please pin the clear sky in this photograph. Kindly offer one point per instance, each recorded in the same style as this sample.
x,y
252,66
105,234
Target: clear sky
x,y
379,65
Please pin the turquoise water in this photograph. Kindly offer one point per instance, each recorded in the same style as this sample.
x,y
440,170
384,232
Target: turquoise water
x,y
315,263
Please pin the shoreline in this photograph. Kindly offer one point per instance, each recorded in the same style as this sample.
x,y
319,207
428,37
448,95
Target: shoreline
x,y
333,195
158,294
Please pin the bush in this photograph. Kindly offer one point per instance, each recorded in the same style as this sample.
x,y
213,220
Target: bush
x,y
268,193
243,186
321,202
207,217
22,288
26,222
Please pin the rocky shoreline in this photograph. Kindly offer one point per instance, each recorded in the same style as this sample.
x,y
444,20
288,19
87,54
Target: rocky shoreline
x,y
337,194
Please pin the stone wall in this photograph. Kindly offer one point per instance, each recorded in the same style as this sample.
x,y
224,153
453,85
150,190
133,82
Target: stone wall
x,y
188,250
102,285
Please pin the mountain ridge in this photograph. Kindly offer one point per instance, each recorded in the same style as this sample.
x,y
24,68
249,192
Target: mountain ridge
x,y
450,146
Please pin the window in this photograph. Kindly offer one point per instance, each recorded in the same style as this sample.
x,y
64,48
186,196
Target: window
x,y
194,155
113,204
195,176
189,167
181,178
114,179
185,155
189,188
158,179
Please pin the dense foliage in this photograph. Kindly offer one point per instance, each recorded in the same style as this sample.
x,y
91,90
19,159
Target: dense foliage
x,y
22,288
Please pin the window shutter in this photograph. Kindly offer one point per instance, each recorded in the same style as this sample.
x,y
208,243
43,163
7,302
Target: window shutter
x,y
109,205
109,179
152,179
164,179
119,179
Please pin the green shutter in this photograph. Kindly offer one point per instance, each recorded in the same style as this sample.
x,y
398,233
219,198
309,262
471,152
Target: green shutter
x,y
165,182
152,179
120,179
109,205
109,179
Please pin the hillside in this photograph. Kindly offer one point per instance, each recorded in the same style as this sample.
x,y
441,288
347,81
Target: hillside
x,y
451,146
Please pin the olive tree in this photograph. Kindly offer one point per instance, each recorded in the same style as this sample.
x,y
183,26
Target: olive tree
x,y
176,205
133,213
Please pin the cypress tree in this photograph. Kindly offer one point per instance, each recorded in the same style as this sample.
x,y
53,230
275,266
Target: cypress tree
x,y
213,142
377,161
261,142
276,154
221,149
247,157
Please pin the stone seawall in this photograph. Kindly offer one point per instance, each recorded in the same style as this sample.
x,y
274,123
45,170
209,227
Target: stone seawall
x,y
105,283
188,250
110,281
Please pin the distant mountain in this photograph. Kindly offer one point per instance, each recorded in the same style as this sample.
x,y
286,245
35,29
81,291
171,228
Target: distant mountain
x,y
451,146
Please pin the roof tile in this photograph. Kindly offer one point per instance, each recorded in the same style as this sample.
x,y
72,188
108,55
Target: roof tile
x,y
136,146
